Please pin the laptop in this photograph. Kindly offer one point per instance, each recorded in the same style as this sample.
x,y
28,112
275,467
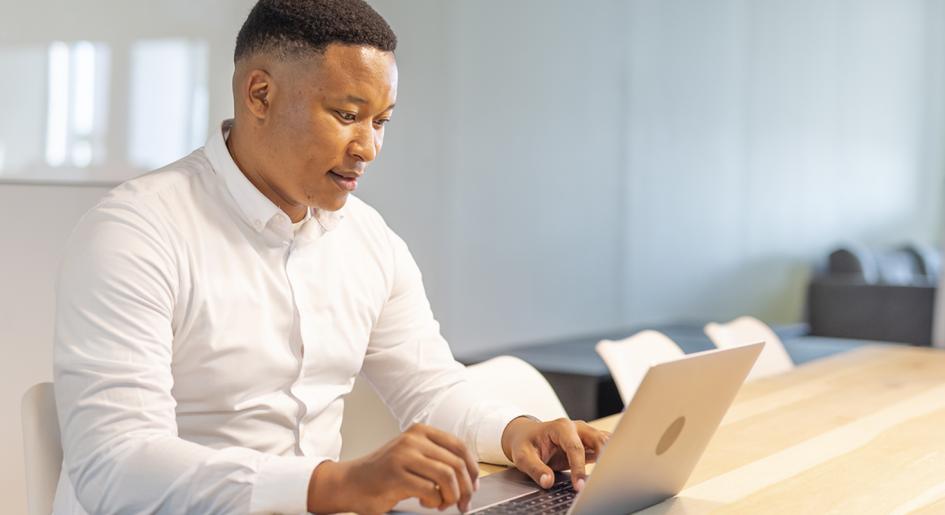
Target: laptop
x,y
661,434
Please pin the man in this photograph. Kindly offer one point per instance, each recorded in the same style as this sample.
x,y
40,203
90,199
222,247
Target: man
x,y
212,315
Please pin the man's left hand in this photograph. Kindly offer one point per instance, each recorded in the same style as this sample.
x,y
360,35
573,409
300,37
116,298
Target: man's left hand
x,y
540,448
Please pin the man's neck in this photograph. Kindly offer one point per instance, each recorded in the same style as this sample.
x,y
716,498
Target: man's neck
x,y
240,150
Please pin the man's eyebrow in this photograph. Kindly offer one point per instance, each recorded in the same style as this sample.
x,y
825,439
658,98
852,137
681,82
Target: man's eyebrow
x,y
358,100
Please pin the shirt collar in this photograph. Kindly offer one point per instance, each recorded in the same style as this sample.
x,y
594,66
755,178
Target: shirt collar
x,y
252,205
329,219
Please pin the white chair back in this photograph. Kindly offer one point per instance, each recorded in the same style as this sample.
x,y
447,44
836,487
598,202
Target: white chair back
x,y
42,448
513,380
630,358
368,424
745,330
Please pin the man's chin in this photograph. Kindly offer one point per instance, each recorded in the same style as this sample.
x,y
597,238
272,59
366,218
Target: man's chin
x,y
333,204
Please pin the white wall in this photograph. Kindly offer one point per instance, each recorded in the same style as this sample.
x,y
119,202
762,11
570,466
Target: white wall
x,y
34,224
761,133
562,168
502,167
535,169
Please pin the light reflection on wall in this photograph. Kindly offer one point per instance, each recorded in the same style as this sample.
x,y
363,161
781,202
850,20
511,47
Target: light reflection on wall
x,y
23,123
75,120
174,71
76,112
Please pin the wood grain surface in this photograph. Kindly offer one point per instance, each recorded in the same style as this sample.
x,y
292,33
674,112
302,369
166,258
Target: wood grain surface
x,y
861,432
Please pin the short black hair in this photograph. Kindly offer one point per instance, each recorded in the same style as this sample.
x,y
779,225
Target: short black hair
x,y
291,27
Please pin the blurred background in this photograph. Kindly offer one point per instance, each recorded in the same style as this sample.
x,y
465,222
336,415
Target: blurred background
x,y
557,168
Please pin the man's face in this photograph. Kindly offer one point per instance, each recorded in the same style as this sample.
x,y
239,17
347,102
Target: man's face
x,y
326,123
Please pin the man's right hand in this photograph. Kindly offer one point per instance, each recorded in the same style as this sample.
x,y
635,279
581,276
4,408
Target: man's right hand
x,y
422,462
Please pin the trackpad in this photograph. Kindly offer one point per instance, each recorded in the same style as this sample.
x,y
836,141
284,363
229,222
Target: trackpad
x,y
494,488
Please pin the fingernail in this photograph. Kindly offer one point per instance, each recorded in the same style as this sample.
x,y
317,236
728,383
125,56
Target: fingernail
x,y
477,483
579,485
545,479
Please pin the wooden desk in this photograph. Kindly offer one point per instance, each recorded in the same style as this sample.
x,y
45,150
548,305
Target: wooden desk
x,y
861,432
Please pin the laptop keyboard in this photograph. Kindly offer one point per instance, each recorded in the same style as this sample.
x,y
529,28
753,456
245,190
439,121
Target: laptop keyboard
x,y
557,499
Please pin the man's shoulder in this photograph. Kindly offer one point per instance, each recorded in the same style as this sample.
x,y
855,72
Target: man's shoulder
x,y
153,203
166,187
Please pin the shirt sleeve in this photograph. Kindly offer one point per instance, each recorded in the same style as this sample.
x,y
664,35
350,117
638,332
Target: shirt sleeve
x,y
113,381
410,365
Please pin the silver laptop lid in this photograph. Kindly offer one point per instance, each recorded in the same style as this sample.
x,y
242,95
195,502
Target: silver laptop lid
x,y
664,430
655,446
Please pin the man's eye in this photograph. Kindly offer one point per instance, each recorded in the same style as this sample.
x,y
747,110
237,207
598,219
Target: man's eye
x,y
348,117
382,122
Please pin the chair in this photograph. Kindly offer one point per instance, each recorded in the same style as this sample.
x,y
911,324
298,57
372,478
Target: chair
x,y
876,294
630,358
368,423
42,448
513,380
744,330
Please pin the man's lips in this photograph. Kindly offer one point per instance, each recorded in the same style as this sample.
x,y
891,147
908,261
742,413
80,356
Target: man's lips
x,y
347,181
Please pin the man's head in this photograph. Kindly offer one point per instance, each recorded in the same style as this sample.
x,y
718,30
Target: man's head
x,y
314,85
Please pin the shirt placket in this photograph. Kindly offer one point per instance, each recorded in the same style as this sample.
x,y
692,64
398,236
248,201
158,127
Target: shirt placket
x,y
295,270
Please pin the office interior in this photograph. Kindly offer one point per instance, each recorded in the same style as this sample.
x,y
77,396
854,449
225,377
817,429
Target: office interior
x,y
559,169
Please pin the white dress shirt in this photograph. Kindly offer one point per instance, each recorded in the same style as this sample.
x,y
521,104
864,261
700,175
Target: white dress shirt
x,y
203,348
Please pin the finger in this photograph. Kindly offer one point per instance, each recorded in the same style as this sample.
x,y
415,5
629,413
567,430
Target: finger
x,y
566,437
435,452
439,473
528,461
593,439
457,447
423,489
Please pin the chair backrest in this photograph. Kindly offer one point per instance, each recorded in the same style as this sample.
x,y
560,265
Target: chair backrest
x,y
368,423
513,380
42,448
630,358
745,330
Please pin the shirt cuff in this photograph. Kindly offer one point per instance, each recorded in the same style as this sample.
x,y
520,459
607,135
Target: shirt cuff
x,y
282,484
489,435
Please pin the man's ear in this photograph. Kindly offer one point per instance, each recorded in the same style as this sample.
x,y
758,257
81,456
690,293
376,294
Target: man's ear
x,y
258,92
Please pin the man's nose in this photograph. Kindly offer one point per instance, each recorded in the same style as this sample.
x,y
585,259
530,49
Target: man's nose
x,y
364,144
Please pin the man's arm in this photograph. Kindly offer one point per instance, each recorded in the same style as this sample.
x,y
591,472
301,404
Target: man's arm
x,y
415,372
112,354
422,462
